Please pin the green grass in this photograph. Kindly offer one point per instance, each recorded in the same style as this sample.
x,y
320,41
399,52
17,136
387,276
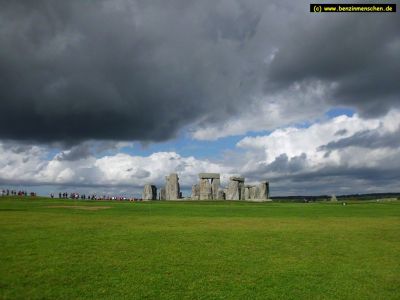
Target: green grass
x,y
204,250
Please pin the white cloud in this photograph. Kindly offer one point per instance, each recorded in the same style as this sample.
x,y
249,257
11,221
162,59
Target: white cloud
x,y
31,166
370,144
294,141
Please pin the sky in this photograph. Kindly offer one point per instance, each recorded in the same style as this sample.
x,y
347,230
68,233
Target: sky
x,y
106,96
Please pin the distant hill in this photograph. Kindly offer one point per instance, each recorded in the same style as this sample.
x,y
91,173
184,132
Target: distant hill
x,y
361,197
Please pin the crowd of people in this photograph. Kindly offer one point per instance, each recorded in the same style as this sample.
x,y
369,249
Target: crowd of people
x,y
17,193
66,195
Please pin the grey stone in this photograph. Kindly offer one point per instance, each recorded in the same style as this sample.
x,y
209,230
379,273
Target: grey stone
x,y
215,187
172,188
253,192
249,186
209,176
241,190
250,192
263,191
233,192
149,192
162,194
246,192
195,192
221,194
205,190
237,178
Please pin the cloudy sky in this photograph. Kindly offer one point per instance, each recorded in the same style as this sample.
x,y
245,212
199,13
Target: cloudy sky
x,y
105,96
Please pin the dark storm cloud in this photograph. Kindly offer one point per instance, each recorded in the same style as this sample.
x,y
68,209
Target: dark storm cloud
x,y
142,70
331,179
341,132
372,139
283,164
78,152
358,53
122,70
344,179
83,150
16,148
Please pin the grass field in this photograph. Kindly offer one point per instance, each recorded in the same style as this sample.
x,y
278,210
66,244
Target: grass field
x,y
66,249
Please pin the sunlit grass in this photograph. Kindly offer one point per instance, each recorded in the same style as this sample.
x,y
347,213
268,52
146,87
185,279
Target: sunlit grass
x,y
220,250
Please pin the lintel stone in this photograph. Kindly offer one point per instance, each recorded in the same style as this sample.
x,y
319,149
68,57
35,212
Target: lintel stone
x,y
209,176
235,178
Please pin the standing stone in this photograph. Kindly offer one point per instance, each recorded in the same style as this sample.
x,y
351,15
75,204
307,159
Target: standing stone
x,y
195,192
247,192
209,190
172,189
215,187
263,190
154,191
149,192
241,190
162,194
253,192
333,198
236,190
233,192
221,194
205,190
